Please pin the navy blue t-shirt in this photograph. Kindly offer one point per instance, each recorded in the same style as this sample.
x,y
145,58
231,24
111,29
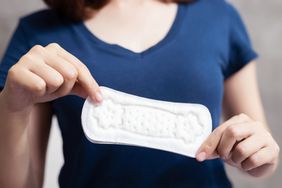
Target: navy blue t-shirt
x,y
206,44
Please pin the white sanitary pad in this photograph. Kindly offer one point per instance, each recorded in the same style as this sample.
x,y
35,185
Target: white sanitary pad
x,y
128,119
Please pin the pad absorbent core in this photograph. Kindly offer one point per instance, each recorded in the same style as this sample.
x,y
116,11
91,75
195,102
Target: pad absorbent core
x,y
132,120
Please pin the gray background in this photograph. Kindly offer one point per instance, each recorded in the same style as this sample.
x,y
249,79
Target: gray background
x,y
264,21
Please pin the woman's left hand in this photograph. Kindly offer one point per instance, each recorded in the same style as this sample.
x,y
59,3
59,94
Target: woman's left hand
x,y
242,143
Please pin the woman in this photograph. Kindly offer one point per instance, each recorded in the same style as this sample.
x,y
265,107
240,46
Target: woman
x,y
177,51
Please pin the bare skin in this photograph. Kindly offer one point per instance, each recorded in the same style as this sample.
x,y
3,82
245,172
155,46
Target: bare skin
x,y
243,141
46,73
42,75
144,23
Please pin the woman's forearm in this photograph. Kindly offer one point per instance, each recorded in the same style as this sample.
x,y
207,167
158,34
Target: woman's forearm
x,y
42,75
14,148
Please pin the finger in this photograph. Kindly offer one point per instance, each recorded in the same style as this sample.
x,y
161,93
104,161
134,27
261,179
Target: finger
x,y
67,70
84,78
65,88
32,82
260,171
246,148
263,156
79,91
233,134
52,77
231,163
208,149
87,82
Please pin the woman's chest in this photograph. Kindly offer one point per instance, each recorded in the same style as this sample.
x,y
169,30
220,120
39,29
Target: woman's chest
x,y
174,75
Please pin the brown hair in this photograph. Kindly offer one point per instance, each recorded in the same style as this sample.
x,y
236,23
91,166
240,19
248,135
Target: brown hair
x,y
79,9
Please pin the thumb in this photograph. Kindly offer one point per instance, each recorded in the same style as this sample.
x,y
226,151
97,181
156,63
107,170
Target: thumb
x,y
208,148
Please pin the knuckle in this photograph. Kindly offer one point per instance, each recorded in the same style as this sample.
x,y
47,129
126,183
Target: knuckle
x,y
57,82
241,117
37,49
26,58
54,45
53,48
71,75
232,131
240,149
39,88
218,131
60,80
253,160
276,155
81,66
13,71
277,149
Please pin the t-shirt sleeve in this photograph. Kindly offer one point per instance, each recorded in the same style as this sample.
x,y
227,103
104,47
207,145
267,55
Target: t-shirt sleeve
x,y
17,47
241,51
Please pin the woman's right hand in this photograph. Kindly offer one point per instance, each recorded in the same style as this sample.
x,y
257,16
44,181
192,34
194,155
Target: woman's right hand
x,y
44,74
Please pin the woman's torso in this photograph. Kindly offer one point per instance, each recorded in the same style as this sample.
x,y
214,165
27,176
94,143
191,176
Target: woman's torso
x,y
185,66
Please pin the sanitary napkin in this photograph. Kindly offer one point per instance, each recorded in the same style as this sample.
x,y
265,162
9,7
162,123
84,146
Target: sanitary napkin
x,y
132,120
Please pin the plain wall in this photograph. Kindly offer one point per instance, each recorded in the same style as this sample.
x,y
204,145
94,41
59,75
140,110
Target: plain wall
x,y
264,21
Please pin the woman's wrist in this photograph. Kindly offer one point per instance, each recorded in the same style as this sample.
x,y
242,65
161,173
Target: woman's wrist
x,y
8,112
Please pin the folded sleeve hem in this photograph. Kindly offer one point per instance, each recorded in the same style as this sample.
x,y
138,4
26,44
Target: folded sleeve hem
x,y
2,81
246,59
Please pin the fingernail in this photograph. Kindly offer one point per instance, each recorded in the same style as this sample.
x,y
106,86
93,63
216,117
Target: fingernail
x,y
99,97
201,156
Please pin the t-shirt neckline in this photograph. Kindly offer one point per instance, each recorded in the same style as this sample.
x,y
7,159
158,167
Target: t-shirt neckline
x,y
115,48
